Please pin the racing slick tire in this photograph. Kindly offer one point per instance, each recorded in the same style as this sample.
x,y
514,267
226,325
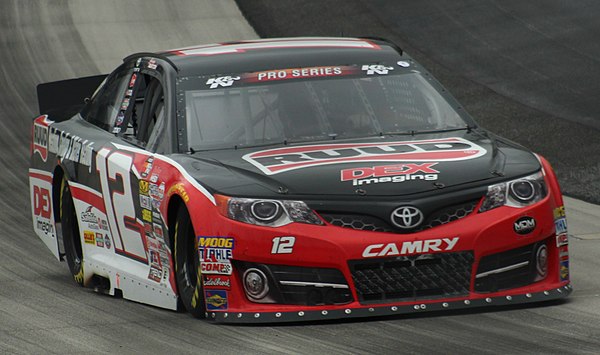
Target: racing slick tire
x,y
70,232
187,263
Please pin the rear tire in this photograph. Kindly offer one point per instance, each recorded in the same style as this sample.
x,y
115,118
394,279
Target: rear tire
x,y
70,230
187,263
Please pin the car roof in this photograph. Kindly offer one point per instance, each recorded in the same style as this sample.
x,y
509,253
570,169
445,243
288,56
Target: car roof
x,y
276,53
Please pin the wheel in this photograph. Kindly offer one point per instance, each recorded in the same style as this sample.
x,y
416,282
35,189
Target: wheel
x,y
70,231
187,262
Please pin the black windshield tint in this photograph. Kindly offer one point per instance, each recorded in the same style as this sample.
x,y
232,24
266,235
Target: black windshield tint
x,y
313,110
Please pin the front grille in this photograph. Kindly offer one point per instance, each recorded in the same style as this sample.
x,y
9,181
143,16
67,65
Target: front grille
x,y
359,222
449,214
509,269
404,278
371,223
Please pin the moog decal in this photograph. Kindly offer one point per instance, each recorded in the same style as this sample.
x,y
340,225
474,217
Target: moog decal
x,y
274,161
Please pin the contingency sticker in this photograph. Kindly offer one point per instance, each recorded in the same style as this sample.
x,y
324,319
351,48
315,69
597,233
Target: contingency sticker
x,y
216,300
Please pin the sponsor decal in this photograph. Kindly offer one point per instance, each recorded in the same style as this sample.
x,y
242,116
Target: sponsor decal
x,y
563,253
41,202
390,173
562,239
107,242
71,148
524,225
157,192
559,212
99,240
40,136
403,64
42,210
217,281
560,225
147,167
89,237
147,215
152,64
45,226
124,105
274,161
564,270
145,202
154,178
148,230
410,247
298,73
215,267
90,217
156,217
155,274
376,69
129,92
103,224
180,190
215,248
138,62
216,300
144,187
158,231
120,118
223,81
155,259
133,79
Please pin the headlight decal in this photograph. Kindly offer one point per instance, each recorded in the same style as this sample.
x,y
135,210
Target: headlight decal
x,y
265,212
518,193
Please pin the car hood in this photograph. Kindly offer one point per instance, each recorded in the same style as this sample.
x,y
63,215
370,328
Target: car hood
x,y
381,166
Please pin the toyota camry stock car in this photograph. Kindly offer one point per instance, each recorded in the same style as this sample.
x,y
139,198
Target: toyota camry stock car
x,y
290,179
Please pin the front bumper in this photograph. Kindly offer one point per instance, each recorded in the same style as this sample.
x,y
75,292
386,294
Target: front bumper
x,y
478,235
389,310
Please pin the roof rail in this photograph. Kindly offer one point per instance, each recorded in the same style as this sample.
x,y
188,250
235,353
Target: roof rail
x,y
392,44
151,54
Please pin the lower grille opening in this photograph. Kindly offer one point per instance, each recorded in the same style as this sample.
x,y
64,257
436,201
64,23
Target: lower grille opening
x,y
509,269
302,285
404,278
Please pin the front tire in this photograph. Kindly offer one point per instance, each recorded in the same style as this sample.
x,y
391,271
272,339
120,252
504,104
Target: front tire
x,y
70,231
187,263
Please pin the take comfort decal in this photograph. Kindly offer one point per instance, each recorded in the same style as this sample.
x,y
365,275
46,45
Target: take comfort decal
x,y
279,160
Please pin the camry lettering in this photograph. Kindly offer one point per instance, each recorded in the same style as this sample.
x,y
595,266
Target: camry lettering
x,y
274,161
410,247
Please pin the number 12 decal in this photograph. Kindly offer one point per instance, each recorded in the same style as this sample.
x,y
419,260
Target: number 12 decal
x,y
283,245
118,201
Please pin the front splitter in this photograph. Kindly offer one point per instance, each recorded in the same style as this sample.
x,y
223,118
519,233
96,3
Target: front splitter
x,y
388,310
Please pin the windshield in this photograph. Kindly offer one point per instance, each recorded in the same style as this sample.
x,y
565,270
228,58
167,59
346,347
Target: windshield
x,y
235,111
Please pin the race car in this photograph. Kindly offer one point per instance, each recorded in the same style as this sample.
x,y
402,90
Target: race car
x,y
290,179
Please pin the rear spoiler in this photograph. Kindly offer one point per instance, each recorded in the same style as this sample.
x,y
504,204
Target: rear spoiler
x,y
66,95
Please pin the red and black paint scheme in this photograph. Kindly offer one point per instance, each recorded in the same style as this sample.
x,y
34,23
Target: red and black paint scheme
x,y
328,227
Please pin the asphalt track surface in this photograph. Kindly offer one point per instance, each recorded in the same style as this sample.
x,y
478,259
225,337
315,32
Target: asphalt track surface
x,y
41,309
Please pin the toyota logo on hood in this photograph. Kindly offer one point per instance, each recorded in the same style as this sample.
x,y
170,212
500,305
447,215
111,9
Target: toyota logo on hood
x,y
407,217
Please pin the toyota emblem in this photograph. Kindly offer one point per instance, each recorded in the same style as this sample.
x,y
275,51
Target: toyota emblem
x,y
407,217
